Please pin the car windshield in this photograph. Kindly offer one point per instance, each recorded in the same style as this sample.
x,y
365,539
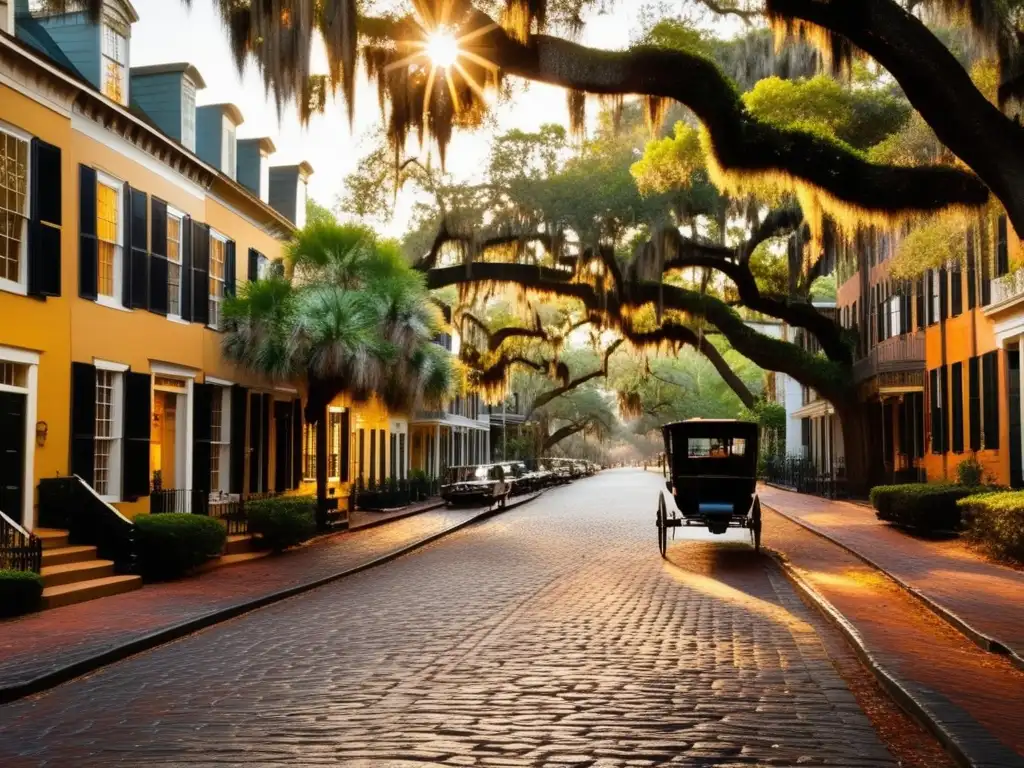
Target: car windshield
x,y
466,474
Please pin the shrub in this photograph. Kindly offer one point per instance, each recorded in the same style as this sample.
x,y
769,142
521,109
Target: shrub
x,y
996,522
925,507
970,473
282,522
172,544
20,592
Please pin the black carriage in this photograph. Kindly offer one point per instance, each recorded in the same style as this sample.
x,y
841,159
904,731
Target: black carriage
x,y
712,475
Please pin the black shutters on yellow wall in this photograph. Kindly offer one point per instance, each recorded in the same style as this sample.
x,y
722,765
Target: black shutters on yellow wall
x,y
187,231
373,457
956,290
158,298
254,264
383,458
346,446
282,445
136,256
956,402
138,416
239,408
990,398
943,278
296,443
938,409
202,435
974,402
44,228
265,415
230,271
972,271
200,273
87,243
83,420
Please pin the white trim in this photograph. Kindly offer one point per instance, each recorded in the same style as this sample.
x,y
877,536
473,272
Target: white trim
x,y
218,382
170,369
31,392
217,235
98,133
103,499
107,365
111,302
16,355
20,286
248,219
117,186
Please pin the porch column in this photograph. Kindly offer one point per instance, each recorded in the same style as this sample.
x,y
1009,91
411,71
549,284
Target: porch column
x,y
437,450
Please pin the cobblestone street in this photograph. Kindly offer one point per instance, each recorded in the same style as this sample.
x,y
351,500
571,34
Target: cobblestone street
x,y
553,634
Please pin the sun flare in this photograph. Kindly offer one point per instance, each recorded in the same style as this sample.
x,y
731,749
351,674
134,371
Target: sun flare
x,y
442,48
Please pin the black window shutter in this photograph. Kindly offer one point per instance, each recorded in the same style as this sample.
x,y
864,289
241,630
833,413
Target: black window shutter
x,y
239,407
126,246
985,257
202,435
296,479
943,294
139,247
944,385
200,273
265,414
254,264
1002,250
956,285
186,272
919,293
346,446
929,292
83,420
158,299
934,396
87,245
974,403
362,456
373,456
137,428
972,271
44,227
255,440
990,383
956,402
382,442
229,268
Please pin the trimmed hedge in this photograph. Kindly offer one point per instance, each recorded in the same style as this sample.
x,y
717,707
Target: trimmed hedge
x,y
20,592
996,522
282,522
172,544
927,507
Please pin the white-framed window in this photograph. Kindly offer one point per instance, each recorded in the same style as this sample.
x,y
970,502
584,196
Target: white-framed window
x,y
218,253
935,298
894,316
14,187
262,266
109,431
175,223
110,238
114,65
220,439
308,452
188,114
228,148
333,445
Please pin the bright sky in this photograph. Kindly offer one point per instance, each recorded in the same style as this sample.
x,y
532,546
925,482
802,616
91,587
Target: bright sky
x,y
169,32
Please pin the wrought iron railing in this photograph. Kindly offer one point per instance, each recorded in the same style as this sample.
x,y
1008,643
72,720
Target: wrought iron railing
x,y
392,494
19,549
71,504
899,353
229,508
804,476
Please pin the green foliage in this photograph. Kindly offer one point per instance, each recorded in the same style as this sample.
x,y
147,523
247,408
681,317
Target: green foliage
x,y
20,592
996,522
766,414
926,507
935,243
970,472
824,288
170,545
318,214
282,522
769,264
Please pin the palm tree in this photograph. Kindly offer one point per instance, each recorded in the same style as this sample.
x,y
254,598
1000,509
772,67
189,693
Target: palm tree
x,y
347,314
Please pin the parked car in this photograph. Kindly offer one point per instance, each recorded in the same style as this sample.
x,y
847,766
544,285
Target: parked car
x,y
477,484
562,470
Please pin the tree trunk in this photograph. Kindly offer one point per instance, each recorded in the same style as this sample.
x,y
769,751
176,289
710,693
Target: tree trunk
x,y
863,464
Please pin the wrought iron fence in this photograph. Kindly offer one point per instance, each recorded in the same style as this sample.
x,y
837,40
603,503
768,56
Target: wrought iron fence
x,y
804,476
226,507
19,549
391,494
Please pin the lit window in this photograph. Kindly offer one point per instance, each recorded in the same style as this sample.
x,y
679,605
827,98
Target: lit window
x,y
334,444
894,316
174,264
106,473
936,300
108,233
217,249
13,208
115,59
188,115
220,439
308,452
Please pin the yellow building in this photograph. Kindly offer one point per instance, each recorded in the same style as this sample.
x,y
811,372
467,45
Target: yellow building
x,y
127,215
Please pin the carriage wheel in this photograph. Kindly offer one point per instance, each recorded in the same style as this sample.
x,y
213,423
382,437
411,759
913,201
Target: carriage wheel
x,y
662,528
755,525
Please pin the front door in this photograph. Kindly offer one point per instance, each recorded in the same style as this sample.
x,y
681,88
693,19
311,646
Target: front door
x,y
12,455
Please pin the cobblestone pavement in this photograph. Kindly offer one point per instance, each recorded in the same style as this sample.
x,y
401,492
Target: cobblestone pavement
x,y
551,635
985,595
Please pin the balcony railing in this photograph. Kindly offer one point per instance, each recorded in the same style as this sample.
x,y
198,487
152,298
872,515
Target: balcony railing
x,y
1008,287
900,353
19,549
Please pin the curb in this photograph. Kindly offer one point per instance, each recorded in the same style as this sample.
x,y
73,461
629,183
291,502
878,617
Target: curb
x,y
52,679
983,641
395,518
893,687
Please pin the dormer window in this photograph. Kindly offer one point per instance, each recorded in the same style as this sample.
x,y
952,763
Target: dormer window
x,y
114,65
188,114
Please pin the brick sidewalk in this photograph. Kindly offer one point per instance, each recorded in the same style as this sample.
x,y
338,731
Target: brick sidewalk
x,y
988,597
41,643
975,696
